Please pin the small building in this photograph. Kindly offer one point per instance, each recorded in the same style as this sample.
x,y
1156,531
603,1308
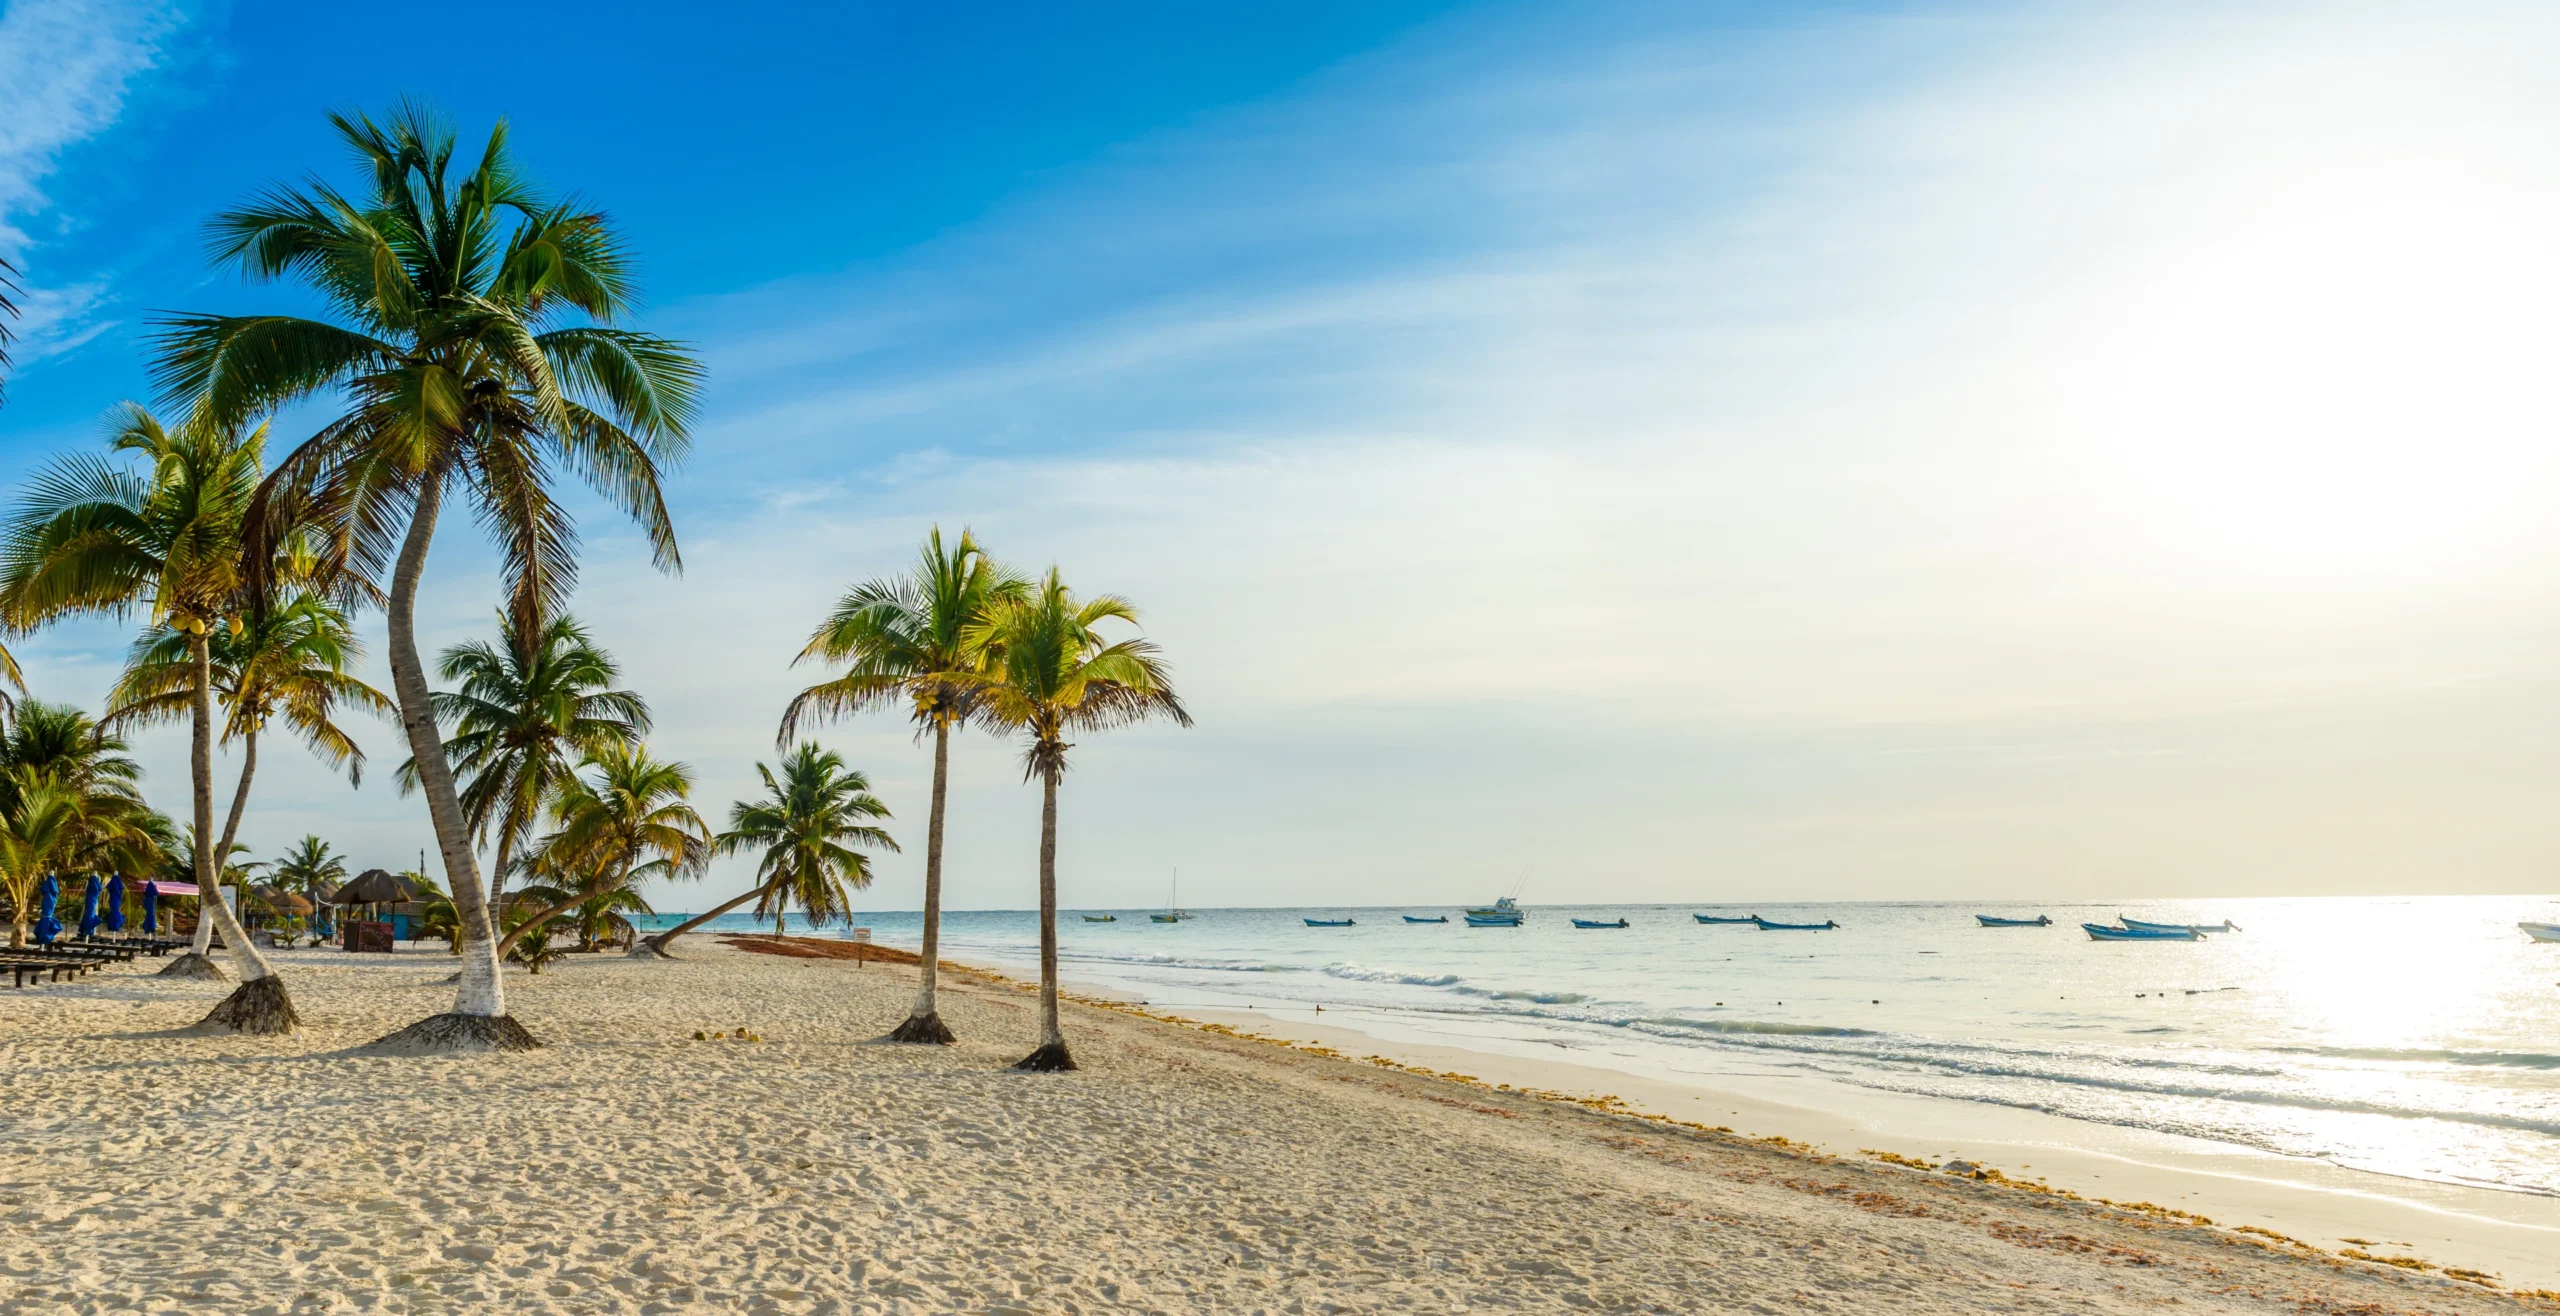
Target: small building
x,y
380,897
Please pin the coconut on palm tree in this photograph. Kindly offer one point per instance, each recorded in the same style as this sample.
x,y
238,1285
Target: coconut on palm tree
x,y
286,662
807,834
905,640
1053,676
524,712
90,536
625,819
476,350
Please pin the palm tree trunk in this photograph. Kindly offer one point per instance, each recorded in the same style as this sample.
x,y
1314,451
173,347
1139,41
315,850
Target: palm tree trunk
x,y
923,1024
1052,1056
478,1020
240,793
260,1004
656,946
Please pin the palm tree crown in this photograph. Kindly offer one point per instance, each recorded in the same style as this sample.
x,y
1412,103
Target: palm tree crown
x,y
524,712
288,662
311,868
807,833
1053,676
908,638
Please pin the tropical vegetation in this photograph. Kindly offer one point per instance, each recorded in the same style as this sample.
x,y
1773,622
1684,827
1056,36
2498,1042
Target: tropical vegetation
x,y
807,834
912,640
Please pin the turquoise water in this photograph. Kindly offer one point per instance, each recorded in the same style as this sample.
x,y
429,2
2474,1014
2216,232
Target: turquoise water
x,y
2407,1036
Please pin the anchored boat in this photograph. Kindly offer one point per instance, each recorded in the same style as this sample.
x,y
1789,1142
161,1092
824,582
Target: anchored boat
x,y
1327,922
2200,929
1597,923
1766,926
1410,918
2541,931
1719,918
1101,918
2039,921
2101,932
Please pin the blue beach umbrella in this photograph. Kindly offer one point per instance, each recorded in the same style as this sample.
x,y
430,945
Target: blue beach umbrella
x,y
151,907
115,903
47,926
89,910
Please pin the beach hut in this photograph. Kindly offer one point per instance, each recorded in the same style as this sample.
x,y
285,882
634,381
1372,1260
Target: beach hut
x,y
380,907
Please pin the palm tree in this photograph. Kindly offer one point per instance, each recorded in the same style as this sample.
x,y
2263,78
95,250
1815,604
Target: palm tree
x,y
905,640
93,537
629,822
68,803
475,344
289,661
9,291
527,708
311,869
1053,677
806,829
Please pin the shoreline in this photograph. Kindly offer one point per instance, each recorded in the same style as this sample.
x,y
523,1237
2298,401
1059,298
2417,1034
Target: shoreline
x,y
729,1132
2338,1209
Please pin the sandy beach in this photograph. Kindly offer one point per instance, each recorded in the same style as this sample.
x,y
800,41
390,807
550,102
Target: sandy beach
x,y
629,1167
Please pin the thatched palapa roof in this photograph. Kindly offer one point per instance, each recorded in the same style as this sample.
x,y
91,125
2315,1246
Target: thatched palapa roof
x,y
375,886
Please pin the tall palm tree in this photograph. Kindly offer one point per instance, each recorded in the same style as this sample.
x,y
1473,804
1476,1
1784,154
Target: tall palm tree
x,y
40,820
287,662
1055,677
311,868
90,536
630,821
905,640
526,710
807,832
475,343
804,833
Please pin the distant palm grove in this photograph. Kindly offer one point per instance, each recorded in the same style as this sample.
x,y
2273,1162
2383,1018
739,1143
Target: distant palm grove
x,y
475,347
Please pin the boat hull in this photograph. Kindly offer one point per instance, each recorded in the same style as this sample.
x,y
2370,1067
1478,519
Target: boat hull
x,y
1411,919
1327,922
1767,926
2541,931
1595,923
1988,921
1746,920
2101,932
2200,929
1475,921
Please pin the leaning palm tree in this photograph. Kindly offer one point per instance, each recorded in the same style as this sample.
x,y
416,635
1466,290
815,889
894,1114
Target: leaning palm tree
x,y
474,343
807,832
288,662
527,708
631,820
804,833
1055,677
905,640
90,536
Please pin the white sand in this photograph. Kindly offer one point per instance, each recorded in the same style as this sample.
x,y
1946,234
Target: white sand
x,y
628,1168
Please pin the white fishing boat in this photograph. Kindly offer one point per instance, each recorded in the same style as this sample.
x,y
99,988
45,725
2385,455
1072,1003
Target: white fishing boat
x,y
2541,931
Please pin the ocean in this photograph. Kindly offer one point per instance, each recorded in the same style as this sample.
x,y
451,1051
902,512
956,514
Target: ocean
x,y
2415,1037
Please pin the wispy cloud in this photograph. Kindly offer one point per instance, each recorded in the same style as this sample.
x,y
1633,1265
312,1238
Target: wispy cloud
x,y
66,68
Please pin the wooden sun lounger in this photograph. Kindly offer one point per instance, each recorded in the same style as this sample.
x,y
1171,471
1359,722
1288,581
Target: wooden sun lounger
x,y
23,966
123,954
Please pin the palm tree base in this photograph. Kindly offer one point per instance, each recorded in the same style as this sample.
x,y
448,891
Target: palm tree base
x,y
1050,1059
260,1007
449,1034
926,1029
648,948
192,965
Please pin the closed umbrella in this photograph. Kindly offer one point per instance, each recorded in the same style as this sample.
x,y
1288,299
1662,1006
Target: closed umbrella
x,y
89,910
115,903
47,926
151,907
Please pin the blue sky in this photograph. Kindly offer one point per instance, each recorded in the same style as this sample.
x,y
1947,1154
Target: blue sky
x,y
1677,452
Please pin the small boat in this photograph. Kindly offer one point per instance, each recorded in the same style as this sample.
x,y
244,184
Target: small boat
x,y
1101,918
1719,918
2101,932
1412,919
2541,931
1767,926
1164,918
2199,929
1173,910
1327,922
1502,921
2039,921
1507,907
1596,923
